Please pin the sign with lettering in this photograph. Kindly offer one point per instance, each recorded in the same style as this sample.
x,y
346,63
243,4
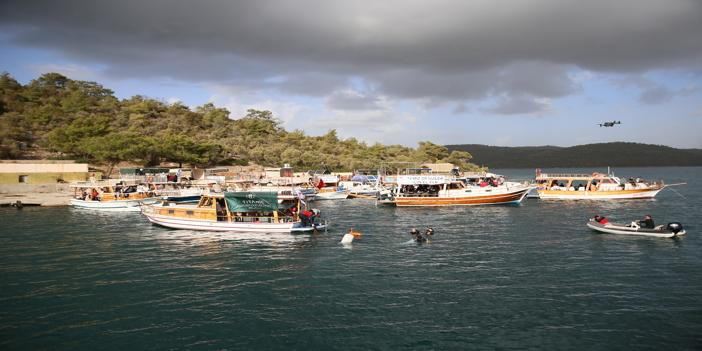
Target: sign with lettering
x,y
420,179
251,202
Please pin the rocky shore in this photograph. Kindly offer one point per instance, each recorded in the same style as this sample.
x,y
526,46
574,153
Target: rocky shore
x,y
50,194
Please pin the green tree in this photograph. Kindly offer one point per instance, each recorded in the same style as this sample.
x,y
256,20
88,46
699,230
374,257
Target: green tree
x,y
460,159
181,149
212,114
46,88
430,152
67,138
112,148
260,122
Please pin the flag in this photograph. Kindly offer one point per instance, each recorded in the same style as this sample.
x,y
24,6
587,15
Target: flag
x,y
300,195
321,184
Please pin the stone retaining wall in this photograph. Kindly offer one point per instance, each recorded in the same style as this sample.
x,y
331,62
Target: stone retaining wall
x,y
24,189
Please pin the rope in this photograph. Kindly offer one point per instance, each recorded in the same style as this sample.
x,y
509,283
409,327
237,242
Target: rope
x,y
676,192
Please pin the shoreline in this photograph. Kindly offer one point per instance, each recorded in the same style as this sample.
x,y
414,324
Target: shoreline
x,y
43,199
43,194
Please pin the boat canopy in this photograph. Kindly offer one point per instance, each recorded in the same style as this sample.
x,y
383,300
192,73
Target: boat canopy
x,y
244,201
360,178
143,170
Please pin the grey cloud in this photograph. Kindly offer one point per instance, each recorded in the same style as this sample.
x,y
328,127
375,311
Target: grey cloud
x,y
656,95
460,109
518,105
352,100
446,51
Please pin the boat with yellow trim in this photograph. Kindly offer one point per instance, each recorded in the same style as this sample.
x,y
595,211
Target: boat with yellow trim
x,y
442,190
239,211
595,186
111,195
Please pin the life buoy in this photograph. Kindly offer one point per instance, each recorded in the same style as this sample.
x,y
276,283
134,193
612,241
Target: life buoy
x,y
596,174
150,179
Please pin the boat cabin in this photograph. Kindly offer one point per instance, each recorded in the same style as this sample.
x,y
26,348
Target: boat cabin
x,y
110,191
590,182
254,207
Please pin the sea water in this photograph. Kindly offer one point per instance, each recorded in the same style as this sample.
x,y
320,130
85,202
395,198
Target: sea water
x,y
517,277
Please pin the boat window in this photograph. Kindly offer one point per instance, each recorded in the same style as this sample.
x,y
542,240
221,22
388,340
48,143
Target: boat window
x,y
578,185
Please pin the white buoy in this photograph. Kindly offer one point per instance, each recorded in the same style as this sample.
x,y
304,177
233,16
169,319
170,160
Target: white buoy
x,y
348,238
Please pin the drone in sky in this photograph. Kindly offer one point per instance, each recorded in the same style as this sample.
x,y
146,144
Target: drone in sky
x,y
610,124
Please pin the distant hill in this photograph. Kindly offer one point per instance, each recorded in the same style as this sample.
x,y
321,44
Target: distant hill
x,y
591,155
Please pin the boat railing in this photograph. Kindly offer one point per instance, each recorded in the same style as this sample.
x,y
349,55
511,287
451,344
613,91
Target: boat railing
x,y
420,195
567,175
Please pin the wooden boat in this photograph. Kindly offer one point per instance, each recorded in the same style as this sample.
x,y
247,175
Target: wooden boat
x,y
181,191
594,186
671,230
113,195
262,212
283,191
441,190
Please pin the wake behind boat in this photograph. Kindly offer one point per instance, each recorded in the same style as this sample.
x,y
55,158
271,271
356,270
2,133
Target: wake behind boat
x,y
671,230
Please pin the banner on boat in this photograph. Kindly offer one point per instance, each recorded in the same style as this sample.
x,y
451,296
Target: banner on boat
x,y
251,202
329,179
420,179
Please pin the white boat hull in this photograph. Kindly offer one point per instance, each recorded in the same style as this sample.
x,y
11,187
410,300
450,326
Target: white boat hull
x,y
624,230
197,224
224,226
116,206
332,195
465,197
597,195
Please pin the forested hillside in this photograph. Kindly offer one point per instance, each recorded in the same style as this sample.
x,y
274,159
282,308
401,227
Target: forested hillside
x,y
592,155
84,121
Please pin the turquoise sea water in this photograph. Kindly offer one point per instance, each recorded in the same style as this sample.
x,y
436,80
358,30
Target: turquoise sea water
x,y
522,277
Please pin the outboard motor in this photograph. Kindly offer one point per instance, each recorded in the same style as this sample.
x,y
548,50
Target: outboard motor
x,y
674,227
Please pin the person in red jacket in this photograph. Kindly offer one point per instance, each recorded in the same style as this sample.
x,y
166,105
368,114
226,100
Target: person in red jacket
x,y
599,219
307,217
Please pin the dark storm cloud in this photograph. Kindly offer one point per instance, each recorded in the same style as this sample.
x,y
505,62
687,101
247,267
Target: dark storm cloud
x,y
438,51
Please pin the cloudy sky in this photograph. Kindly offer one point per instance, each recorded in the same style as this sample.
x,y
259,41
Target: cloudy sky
x,y
503,73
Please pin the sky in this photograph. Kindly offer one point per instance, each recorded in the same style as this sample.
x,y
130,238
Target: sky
x,y
500,73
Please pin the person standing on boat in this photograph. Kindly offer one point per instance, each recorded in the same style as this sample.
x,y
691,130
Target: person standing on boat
x,y
600,220
646,223
307,217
